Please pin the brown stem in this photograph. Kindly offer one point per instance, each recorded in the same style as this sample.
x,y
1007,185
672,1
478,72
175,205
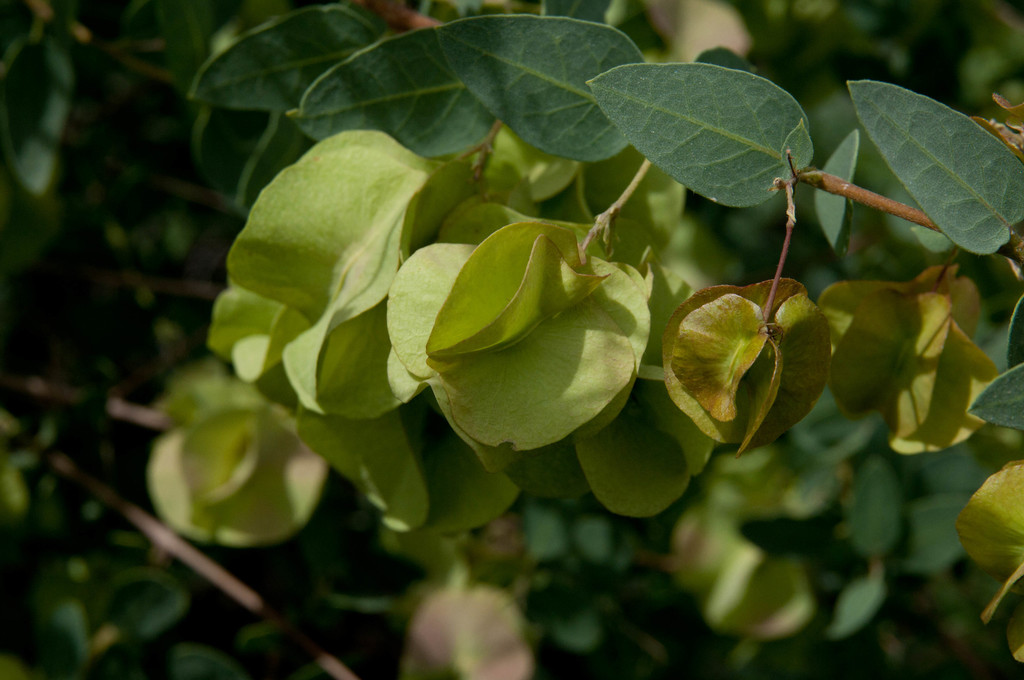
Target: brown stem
x,y
840,187
603,222
66,395
787,185
1013,249
398,17
168,541
202,290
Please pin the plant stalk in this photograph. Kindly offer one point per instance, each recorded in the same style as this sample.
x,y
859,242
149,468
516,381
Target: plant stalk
x,y
168,541
787,185
603,222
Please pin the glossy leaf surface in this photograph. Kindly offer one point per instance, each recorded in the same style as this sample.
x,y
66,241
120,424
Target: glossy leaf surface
x,y
531,73
717,131
186,26
965,180
269,67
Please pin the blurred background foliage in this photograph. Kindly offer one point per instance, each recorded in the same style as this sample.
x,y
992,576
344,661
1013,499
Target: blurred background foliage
x,y
823,555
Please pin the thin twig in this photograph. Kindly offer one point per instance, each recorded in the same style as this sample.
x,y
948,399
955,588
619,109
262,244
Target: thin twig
x,y
483,150
66,395
168,541
398,17
603,222
202,290
840,187
787,185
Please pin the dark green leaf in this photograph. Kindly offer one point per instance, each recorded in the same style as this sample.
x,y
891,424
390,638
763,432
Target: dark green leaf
x,y
188,661
531,73
964,179
186,27
588,10
545,530
875,515
1002,402
835,212
1015,345
858,603
402,86
35,97
223,141
932,542
64,642
146,603
716,130
272,65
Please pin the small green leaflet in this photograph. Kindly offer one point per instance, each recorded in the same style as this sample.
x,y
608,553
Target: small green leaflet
x,y
716,130
35,97
402,86
835,213
858,603
1002,402
269,67
964,179
875,516
531,73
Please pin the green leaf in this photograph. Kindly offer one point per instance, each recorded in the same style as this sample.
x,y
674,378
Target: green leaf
x,y
351,379
239,313
835,212
588,10
549,472
64,641
634,468
991,528
303,236
417,295
932,543
35,98
269,67
758,597
717,131
402,86
513,162
901,337
715,346
462,494
797,145
528,280
858,602
280,145
963,372
769,397
1002,402
1015,633
1015,343
239,478
534,392
467,632
668,291
377,456
145,603
186,27
964,179
223,141
875,515
189,661
531,73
